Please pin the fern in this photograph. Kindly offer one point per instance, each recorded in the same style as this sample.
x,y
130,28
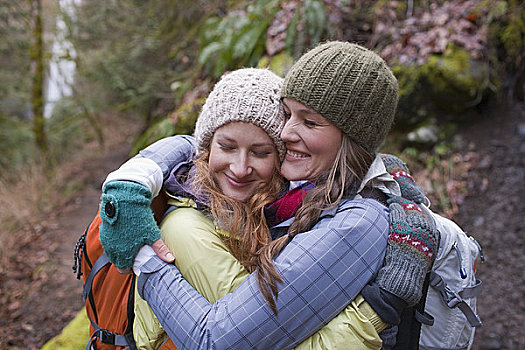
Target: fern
x,y
311,17
316,20
237,39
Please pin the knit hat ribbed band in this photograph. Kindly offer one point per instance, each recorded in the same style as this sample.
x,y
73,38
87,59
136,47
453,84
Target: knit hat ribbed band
x,y
349,85
246,95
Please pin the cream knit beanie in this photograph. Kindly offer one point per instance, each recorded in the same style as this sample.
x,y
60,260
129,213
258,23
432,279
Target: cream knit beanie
x,y
249,95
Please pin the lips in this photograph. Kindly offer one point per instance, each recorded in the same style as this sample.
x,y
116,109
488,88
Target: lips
x,y
236,183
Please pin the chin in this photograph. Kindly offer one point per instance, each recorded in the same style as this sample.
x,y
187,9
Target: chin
x,y
292,174
238,196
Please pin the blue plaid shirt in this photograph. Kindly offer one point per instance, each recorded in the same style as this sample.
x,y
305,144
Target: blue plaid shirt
x,y
322,270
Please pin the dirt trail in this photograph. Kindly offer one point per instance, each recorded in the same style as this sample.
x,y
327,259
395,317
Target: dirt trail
x,y
50,298
494,214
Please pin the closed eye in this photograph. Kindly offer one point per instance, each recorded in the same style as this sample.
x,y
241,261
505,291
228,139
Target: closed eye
x,y
310,123
261,154
225,147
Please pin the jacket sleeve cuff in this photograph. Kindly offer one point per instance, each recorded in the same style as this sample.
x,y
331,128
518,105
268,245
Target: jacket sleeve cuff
x,y
386,305
141,170
155,264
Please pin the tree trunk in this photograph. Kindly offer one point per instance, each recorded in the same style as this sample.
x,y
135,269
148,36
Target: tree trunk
x,y
36,53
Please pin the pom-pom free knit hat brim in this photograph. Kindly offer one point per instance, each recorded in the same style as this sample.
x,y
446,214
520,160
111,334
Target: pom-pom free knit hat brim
x,y
249,95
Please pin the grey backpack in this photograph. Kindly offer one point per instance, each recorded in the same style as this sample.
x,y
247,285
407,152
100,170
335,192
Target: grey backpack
x,y
453,289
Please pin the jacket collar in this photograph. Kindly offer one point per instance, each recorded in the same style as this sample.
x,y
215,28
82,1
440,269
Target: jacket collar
x,y
378,177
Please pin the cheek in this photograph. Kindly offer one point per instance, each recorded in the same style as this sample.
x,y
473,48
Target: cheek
x,y
265,170
217,161
330,151
328,145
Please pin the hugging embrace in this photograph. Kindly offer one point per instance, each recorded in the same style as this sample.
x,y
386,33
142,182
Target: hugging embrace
x,y
286,228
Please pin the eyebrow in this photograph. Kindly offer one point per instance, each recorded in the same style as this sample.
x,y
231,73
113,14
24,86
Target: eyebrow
x,y
231,139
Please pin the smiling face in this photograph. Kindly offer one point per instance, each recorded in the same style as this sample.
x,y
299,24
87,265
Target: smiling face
x,y
312,142
242,159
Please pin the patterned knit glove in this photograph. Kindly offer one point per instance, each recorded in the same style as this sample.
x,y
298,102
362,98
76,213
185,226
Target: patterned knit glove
x,y
398,169
127,221
412,244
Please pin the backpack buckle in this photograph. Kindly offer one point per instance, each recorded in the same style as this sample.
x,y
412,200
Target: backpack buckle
x,y
107,337
453,299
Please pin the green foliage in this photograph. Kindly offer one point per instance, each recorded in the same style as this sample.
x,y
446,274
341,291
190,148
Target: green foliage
x,y
16,142
128,54
237,39
185,117
161,129
308,26
279,64
507,30
506,34
14,51
66,129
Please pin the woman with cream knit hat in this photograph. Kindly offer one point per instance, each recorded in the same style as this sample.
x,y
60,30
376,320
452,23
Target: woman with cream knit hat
x,y
340,101
234,174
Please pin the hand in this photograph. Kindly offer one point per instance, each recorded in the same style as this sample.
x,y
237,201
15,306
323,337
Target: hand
x,y
412,244
127,221
410,225
162,251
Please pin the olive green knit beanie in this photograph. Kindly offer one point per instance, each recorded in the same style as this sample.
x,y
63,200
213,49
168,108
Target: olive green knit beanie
x,y
248,95
349,85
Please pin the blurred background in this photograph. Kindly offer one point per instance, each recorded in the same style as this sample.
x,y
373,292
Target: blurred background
x,y
86,84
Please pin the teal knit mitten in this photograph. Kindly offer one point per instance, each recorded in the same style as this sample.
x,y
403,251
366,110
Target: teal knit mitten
x,y
127,221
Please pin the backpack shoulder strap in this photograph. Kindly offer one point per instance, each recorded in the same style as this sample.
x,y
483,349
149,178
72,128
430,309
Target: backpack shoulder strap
x,y
409,329
455,299
104,335
102,261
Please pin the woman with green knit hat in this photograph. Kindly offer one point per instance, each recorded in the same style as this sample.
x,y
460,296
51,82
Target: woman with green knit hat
x,y
329,236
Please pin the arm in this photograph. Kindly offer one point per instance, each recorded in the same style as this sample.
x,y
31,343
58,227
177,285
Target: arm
x,y
154,163
127,219
147,331
322,270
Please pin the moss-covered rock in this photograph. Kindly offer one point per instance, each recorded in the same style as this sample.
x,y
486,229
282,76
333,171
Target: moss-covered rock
x,y
442,88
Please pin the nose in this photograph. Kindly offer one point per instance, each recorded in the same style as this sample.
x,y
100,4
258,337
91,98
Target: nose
x,y
289,134
240,166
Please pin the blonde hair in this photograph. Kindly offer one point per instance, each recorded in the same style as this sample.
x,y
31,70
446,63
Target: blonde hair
x,y
245,222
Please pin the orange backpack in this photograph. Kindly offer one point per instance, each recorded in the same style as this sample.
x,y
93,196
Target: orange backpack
x,y
108,294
